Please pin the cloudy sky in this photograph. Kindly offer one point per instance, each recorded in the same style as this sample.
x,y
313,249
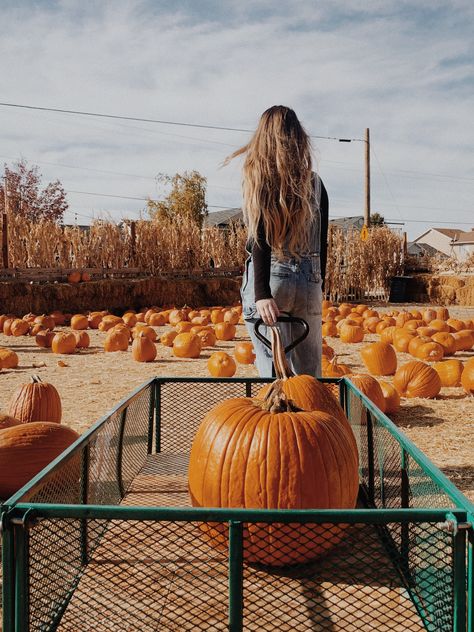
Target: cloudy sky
x,y
403,68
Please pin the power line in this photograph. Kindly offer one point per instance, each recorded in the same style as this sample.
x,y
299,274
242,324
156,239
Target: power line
x,y
158,121
140,199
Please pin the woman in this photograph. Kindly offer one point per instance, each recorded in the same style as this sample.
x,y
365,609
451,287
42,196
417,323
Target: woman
x,y
286,211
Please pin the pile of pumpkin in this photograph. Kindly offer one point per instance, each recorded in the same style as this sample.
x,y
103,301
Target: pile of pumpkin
x,y
31,434
190,331
429,336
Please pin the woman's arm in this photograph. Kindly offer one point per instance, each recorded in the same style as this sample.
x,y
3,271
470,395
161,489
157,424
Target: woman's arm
x,y
324,208
261,253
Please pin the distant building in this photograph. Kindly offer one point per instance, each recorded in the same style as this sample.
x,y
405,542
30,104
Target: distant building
x,y
422,250
223,219
453,242
348,223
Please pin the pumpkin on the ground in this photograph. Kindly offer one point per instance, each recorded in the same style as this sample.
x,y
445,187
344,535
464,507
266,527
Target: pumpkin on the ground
x,y
168,337
370,387
332,368
207,337
8,359
63,342
262,454
26,449
82,339
417,379
449,372
220,364
20,327
244,352
116,340
467,377
7,421
225,331
430,352
392,398
74,276
44,338
79,321
351,333
35,401
143,349
379,358
187,345
48,322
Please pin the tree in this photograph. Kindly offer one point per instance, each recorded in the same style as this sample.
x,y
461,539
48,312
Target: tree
x,y
186,199
377,220
26,198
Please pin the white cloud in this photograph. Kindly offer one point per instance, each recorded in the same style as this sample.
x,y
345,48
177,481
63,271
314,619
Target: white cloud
x,y
402,69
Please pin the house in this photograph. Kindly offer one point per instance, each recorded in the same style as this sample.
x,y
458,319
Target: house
x,y
453,242
463,245
223,219
422,250
348,223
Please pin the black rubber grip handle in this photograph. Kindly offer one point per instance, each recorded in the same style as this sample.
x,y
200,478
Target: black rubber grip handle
x,y
283,319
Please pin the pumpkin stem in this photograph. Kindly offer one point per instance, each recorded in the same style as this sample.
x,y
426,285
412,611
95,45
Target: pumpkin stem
x,y
276,401
282,368
36,379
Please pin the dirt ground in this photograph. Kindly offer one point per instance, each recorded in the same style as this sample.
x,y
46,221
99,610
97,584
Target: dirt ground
x,y
94,381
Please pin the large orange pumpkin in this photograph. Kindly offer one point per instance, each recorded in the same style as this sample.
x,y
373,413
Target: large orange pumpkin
x,y
220,364
401,339
351,333
379,358
26,449
329,329
207,336
20,327
168,337
446,340
243,455
430,352
417,379
35,401
464,339
7,421
82,339
439,325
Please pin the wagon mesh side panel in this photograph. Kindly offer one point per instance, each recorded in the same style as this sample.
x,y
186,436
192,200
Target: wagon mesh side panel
x,y
142,576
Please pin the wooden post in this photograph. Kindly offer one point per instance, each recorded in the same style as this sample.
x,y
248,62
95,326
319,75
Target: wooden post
x,y
367,178
5,226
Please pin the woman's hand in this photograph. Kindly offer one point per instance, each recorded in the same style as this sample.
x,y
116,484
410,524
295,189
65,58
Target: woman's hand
x,y
267,310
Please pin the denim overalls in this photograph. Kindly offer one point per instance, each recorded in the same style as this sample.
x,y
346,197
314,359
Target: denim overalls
x,y
296,287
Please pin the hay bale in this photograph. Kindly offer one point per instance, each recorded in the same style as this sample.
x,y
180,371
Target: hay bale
x,y
453,281
443,294
465,295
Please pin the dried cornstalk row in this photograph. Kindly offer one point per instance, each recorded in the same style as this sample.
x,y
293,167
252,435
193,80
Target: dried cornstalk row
x,y
359,269
155,247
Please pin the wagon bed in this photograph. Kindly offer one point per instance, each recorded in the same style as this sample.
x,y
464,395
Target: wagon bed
x,y
112,544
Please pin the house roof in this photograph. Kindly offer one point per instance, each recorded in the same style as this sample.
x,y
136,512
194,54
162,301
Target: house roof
x,y
425,250
464,238
449,232
356,221
224,217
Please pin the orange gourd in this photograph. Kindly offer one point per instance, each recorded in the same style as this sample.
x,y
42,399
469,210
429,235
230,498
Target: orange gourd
x,y
464,339
446,340
370,324
412,325
417,379
467,377
370,387
143,349
116,340
79,321
387,334
207,337
449,372
429,315
442,313
439,325
379,358
401,340
351,333
130,319
8,359
231,317
168,337
26,449
157,319
63,342
329,329
82,339
455,324
35,401
176,316
244,352
401,319
220,364
48,322
416,342
430,352
94,319
20,327
225,331
187,345
392,398
426,331
145,329
44,338
273,456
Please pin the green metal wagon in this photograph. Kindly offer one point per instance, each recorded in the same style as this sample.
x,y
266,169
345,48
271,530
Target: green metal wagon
x,y
105,539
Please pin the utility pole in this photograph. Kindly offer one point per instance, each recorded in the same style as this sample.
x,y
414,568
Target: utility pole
x,y
5,257
367,179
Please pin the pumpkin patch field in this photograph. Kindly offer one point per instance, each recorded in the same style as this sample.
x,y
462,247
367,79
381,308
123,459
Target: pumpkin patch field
x,y
95,359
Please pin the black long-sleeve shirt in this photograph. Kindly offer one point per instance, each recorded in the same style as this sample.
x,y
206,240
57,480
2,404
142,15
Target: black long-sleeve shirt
x,y
261,251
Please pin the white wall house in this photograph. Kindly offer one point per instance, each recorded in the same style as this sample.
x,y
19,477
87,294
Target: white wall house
x,y
452,242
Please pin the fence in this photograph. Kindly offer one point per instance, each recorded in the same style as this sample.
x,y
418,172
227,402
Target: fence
x,y
105,538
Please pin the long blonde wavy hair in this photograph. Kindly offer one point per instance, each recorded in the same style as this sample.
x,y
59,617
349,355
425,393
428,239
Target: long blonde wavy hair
x,y
277,181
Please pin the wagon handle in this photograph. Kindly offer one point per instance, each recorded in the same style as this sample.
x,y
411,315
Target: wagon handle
x,y
283,319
